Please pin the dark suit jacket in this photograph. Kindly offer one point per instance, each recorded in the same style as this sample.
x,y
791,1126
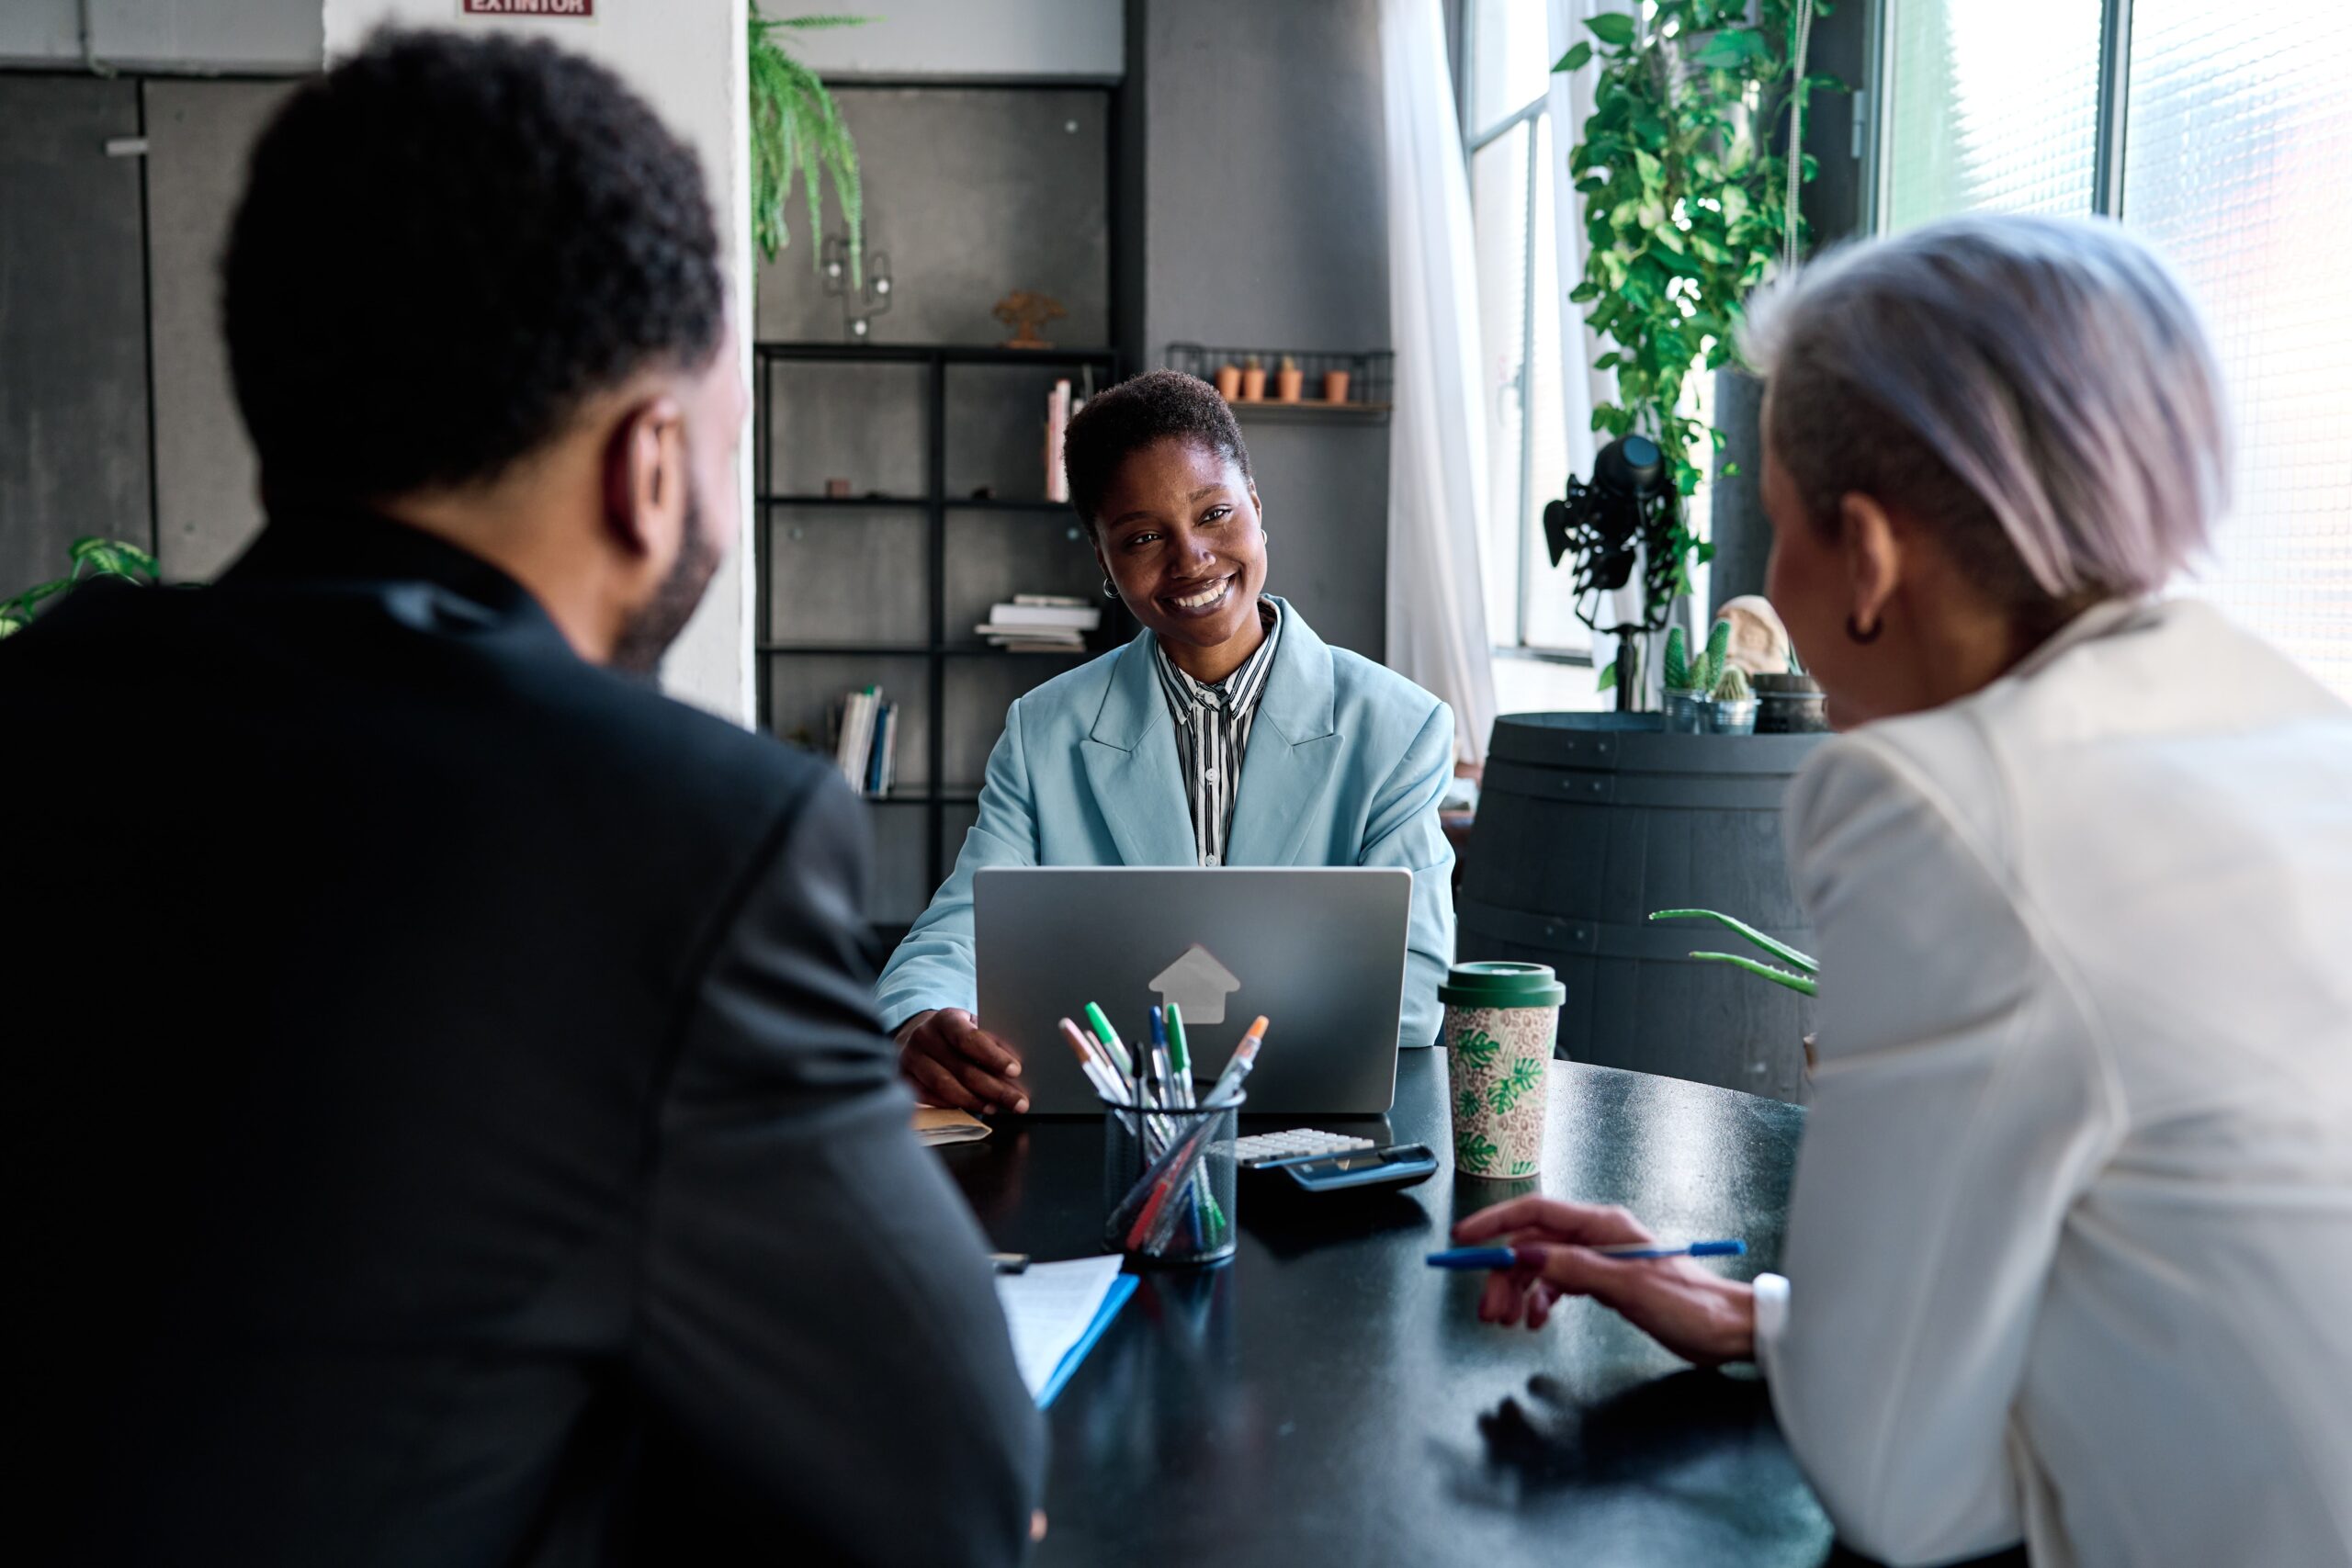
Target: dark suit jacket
x,y
449,1121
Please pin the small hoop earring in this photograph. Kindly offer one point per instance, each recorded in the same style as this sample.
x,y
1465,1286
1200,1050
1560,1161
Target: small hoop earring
x,y
1110,591
1854,630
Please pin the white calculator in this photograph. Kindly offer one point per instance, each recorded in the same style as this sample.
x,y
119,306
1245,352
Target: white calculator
x,y
1260,1150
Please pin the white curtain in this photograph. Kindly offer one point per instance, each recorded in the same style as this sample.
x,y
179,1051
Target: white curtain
x,y
1437,466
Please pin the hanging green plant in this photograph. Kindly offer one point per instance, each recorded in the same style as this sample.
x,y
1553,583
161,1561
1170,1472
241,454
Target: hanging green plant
x,y
1687,206
796,129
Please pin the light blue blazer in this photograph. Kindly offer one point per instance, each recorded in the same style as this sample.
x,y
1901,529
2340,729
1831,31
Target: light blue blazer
x,y
1345,765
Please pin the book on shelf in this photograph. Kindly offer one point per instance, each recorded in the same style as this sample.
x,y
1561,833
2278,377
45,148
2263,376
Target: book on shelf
x,y
1079,616
866,741
1058,413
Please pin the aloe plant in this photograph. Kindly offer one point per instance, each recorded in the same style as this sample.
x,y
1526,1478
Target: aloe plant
x,y
1803,964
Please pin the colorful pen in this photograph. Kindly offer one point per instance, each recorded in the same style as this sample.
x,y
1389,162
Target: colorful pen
x,y
1180,1056
1091,1063
1175,1167
1163,1076
1244,1057
1110,1041
1509,1258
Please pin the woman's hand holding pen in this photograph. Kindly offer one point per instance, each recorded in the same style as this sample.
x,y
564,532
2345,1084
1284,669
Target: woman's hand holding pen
x,y
952,1061
1699,1317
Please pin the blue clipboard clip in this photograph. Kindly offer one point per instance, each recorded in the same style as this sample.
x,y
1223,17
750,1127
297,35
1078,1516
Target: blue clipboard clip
x,y
1113,1300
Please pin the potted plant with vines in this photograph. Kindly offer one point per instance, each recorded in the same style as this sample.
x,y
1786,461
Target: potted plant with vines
x,y
90,558
1686,209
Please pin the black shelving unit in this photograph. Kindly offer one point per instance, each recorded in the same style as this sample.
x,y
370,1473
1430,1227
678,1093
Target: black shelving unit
x,y
938,507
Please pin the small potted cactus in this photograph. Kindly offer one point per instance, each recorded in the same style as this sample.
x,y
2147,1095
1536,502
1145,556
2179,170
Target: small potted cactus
x,y
1733,710
1228,381
1690,682
1253,380
1289,381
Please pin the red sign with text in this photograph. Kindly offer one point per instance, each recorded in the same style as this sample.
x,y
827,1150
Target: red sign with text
x,y
529,7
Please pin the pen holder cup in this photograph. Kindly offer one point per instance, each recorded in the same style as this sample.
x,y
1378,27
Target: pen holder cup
x,y
1168,1177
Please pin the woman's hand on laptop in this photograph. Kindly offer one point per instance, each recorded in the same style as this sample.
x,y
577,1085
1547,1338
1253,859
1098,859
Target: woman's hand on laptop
x,y
952,1061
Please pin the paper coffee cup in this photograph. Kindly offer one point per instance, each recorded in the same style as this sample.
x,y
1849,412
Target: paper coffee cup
x,y
1501,1021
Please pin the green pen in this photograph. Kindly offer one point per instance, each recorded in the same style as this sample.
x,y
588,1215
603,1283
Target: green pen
x,y
1111,1042
1178,1056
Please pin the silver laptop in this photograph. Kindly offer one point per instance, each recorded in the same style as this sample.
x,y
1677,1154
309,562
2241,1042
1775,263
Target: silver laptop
x,y
1319,950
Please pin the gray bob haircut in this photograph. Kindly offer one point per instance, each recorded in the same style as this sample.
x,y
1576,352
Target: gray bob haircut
x,y
2040,391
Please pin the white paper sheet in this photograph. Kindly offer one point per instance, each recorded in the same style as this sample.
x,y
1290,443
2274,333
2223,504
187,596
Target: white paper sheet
x,y
1047,1306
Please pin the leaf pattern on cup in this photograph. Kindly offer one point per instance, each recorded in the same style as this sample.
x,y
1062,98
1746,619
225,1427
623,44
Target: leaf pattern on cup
x,y
1525,1076
1498,1057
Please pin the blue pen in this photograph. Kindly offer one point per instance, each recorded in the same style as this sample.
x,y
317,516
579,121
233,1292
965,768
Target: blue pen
x,y
1507,1258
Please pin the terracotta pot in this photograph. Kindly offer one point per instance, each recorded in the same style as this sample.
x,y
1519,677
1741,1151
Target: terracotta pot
x,y
1228,381
1287,384
1253,386
1335,386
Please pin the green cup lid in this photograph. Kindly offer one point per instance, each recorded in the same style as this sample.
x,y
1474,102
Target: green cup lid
x,y
1502,984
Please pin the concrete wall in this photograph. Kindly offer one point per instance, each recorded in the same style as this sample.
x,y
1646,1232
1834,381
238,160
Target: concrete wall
x,y
208,504
966,38
973,192
1264,220
194,36
689,63
73,330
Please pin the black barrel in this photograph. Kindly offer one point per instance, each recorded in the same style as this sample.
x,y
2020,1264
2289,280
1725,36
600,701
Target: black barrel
x,y
1590,821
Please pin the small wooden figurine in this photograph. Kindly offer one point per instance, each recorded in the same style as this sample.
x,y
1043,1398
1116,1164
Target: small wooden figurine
x,y
1027,314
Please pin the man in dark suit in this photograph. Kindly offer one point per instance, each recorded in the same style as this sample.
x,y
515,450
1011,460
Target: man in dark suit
x,y
448,1119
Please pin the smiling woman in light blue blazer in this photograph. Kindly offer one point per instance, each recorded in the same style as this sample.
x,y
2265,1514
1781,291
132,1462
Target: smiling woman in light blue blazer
x,y
1227,733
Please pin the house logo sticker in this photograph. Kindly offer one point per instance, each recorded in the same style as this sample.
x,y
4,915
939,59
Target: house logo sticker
x,y
1197,985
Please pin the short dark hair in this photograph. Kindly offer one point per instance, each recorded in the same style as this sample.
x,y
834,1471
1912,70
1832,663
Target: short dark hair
x,y
1159,405
446,246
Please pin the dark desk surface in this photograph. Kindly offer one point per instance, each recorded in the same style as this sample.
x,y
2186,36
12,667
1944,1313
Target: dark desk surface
x,y
1326,1398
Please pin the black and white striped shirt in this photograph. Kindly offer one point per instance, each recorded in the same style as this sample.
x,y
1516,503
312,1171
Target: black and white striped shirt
x,y
1213,731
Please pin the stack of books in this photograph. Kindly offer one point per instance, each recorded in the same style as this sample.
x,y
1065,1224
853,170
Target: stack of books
x,y
865,743
1041,623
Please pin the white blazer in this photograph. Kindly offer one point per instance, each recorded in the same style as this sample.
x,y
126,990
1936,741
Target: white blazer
x,y
2070,1248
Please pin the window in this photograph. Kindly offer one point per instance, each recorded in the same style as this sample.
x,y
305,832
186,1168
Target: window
x,y
1995,103
2232,130
1507,132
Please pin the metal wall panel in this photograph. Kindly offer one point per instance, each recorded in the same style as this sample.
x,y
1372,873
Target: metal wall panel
x,y
72,325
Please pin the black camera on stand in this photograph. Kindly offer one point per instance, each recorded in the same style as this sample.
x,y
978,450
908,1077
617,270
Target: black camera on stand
x,y
1621,523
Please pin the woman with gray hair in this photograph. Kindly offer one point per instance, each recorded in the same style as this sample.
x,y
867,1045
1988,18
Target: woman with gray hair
x,y
2070,1248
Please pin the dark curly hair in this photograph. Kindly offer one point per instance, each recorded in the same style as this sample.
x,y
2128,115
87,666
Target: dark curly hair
x,y
1158,405
446,245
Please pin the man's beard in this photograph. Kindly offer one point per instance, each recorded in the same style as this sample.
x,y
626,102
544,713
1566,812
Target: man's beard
x,y
648,634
